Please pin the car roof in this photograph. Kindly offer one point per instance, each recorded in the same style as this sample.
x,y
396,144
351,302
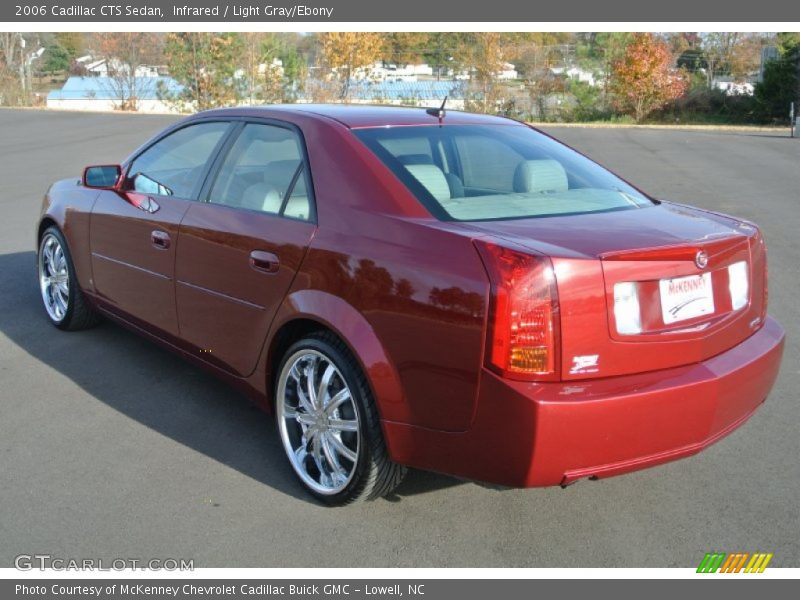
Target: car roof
x,y
360,115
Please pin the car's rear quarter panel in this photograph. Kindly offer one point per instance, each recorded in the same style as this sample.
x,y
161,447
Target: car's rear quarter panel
x,y
426,306
421,288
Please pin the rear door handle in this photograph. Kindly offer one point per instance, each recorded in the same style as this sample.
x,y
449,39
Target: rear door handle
x,y
264,261
160,239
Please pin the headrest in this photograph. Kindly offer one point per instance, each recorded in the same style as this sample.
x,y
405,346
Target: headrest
x,y
540,177
263,197
432,179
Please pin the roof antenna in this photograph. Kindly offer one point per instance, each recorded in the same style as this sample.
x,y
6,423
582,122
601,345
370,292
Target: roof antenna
x,y
439,113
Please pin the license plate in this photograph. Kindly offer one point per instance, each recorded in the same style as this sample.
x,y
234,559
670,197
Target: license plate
x,y
685,298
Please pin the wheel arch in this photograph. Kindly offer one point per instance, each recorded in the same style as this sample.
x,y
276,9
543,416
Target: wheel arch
x,y
45,223
306,311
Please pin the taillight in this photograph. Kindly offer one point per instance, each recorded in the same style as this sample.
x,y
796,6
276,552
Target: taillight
x,y
766,282
523,314
760,269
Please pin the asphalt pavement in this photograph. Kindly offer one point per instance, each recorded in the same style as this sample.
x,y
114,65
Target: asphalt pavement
x,y
111,447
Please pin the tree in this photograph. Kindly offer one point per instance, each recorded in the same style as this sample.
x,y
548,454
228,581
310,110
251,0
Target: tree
x,y
261,76
443,51
643,79
745,58
535,53
403,48
779,88
788,42
485,54
603,50
205,64
73,42
295,71
15,67
54,59
124,53
11,89
735,54
693,60
10,50
347,52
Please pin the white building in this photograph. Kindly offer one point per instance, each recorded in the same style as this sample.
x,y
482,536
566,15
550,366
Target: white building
x,y
733,88
576,73
508,72
101,67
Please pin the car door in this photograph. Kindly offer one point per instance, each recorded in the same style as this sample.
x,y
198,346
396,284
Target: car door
x,y
241,246
134,231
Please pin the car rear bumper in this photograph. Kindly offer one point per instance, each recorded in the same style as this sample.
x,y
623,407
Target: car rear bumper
x,y
540,434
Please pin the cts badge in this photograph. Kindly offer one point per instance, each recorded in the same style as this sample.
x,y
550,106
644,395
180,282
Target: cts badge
x,y
584,364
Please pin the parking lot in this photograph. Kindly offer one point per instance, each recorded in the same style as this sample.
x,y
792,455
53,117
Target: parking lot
x,y
111,447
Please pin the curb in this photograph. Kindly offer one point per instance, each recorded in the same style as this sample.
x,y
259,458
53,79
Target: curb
x,y
762,128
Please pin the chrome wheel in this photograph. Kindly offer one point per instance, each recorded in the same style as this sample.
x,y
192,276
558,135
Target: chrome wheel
x,y
318,421
53,277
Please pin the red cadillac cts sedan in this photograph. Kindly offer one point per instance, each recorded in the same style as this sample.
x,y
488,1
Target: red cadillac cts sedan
x,y
408,288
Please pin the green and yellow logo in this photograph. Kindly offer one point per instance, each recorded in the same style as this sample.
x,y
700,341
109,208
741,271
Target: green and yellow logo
x,y
738,562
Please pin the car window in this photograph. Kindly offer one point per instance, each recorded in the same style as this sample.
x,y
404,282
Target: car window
x,y
484,172
264,171
409,148
487,164
173,165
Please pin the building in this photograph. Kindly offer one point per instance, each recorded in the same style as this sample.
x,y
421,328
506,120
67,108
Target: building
x,y
406,93
508,72
576,73
102,94
101,67
732,87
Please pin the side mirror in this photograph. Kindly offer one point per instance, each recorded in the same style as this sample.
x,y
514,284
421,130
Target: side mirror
x,y
103,177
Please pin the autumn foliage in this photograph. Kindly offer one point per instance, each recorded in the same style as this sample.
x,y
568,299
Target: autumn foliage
x,y
643,79
205,64
346,52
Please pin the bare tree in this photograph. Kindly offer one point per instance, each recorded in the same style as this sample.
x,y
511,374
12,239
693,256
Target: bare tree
x,y
18,51
264,81
125,53
486,54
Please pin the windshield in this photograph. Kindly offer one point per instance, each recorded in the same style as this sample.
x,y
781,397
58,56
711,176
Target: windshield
x,y
484,172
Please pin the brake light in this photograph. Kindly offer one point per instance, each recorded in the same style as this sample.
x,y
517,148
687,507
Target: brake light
x,y
523,314
766,282
760,270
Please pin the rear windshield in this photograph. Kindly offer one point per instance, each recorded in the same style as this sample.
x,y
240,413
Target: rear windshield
x,y
485,172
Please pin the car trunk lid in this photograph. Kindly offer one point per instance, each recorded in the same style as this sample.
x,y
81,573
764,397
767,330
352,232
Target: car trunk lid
x,y
678,262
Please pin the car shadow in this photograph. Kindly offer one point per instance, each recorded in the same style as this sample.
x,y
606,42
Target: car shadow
x,y
149,384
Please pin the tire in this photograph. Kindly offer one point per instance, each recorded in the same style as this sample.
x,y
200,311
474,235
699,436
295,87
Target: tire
x,y
64,302
337,449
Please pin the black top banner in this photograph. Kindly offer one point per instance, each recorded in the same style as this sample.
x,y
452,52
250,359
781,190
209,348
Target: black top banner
x,y
444,11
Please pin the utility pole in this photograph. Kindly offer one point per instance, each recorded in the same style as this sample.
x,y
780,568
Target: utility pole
x,y
22,78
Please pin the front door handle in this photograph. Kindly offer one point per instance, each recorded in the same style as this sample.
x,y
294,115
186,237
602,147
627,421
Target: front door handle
x,y
160,239
264,261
